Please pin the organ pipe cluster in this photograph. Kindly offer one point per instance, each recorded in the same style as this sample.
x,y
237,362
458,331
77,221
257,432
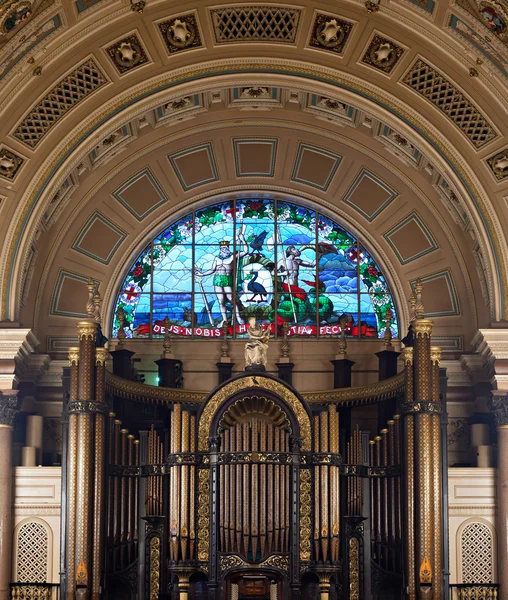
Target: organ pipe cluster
x,y
326,488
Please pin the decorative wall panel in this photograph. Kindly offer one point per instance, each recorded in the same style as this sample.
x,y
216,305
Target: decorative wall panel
x,y
476,546
71,90
434,86
255,24
32,553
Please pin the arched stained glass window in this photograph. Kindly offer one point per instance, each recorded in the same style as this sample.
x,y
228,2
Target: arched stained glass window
x,y
277,261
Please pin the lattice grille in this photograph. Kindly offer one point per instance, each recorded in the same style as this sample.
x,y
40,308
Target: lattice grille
x,y
255,23
442,93
72,89
32,555
477,554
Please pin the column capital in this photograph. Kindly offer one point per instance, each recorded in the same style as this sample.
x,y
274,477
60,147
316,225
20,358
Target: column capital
x,y
9,406
498,404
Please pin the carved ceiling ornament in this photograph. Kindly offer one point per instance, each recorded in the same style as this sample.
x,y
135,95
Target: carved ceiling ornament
x,y
10,164
13,13
180,33
127,53
382,54
499,164
330,33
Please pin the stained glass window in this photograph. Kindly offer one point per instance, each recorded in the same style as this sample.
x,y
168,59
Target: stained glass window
x,y
277,261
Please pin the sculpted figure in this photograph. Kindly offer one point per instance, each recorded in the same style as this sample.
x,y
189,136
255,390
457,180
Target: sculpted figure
x,y
256,347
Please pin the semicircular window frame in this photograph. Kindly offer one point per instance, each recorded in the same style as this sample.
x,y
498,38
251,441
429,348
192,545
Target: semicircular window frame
x,y
292,263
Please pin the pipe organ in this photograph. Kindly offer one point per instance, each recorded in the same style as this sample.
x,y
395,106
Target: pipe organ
x,y
253,490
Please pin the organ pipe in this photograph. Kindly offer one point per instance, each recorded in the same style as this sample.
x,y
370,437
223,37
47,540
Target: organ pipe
x,y
255,490
184,496
323,418
262,490
317,521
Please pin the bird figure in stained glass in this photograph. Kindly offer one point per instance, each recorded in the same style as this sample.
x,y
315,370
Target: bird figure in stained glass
x,y
256,288
257,243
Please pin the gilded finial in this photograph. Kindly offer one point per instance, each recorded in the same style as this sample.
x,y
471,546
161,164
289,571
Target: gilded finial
x,y
284,349
97,300
419,310
90,305
224,348
166,344
121,324
388,332
412,302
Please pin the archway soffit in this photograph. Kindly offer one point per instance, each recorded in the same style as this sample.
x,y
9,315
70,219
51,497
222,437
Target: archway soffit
x,y
20,233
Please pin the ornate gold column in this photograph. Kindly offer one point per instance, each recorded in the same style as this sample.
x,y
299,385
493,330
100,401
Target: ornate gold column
x,y
422,432
8,410
72,473
101,355
86,466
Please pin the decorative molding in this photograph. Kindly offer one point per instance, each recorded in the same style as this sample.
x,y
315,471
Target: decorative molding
x,y
9,407
411,217
472,511
444,95
34,510
58,288
302,148
173,158
146,172
72,89
258,23
364,173
95,217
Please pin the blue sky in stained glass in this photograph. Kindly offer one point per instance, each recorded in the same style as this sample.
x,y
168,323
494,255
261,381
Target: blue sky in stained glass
x,y
233,260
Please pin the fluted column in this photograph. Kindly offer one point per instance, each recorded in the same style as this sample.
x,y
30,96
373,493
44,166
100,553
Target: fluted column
x,y
8,410
499,406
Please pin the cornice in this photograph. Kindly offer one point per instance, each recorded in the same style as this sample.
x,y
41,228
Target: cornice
x,y
17,343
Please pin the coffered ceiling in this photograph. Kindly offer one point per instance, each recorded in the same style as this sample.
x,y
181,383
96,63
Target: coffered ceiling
x,y
390,116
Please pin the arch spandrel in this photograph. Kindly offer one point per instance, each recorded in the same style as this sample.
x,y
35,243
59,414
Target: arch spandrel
x,y
254,384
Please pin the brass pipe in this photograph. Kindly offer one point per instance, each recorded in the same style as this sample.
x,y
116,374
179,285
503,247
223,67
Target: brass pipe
x,y
334,483
262,491
123,489
224,489
130,489
391,482
255,490
277,503
384,490
175,479
436,473
239,491
246,492
288,496
398,497
111,454
282,493
116,485
373,508
377,485
323,417
232,493
184,497
270,492
136,491
192,493
317,503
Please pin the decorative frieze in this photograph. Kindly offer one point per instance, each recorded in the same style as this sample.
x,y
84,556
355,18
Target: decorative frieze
x,y
9,406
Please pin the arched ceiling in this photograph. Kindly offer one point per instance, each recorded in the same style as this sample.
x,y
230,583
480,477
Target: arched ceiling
x,y
113,120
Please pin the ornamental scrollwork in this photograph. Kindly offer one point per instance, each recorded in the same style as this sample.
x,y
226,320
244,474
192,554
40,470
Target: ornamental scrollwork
x,y
9,406
230,561
305,517
203,514
498,404
422,407
87,406
277,561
